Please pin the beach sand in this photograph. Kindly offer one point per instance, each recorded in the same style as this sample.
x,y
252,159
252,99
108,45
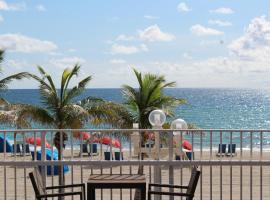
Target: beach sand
x,y
202,188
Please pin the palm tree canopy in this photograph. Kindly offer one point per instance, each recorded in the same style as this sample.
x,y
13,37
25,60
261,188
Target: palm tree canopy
x,y
149,96
2,53
107,112
59,109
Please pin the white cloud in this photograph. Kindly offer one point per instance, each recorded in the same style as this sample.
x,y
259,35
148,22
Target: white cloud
x,y
223,10
124,49
150,17
200,30
153,33
219,22
183,7
123,37
65,62
255,43
41,8
1,18
128,49
25,44
71,50
7,7
15,64
187,56
117,61
144,48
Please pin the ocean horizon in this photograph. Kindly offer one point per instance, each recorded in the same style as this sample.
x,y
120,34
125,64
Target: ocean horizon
x,y
207,108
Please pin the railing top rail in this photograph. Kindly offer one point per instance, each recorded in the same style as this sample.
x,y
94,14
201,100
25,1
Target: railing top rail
x,y
132,130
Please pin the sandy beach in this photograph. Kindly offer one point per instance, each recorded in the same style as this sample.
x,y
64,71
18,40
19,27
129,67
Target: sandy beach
x,y
202,188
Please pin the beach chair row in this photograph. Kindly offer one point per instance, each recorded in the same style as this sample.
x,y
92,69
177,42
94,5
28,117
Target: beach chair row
x,y
222,150
20,149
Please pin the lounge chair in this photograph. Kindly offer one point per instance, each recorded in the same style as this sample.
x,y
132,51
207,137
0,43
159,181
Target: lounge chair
x,y
93,149
18,149
231,150
26,149
84,149
107,155
41,190
117,155
221,150
190,189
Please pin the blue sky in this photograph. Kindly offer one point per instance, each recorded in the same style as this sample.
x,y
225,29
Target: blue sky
x,y
197,43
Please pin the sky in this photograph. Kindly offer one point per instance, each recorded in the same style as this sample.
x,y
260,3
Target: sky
x,y
197,43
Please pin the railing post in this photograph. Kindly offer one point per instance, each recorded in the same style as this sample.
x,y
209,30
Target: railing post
x,y
43,156
171,179
157,169
135,139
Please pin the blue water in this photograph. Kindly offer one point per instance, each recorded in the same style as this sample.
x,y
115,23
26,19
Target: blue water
x,y
207,108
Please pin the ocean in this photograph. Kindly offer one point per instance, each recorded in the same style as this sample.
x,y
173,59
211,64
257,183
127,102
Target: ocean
x,y
206,108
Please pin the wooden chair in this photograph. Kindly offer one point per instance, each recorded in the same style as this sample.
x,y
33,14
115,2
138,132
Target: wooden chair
x,y
190,189
40,189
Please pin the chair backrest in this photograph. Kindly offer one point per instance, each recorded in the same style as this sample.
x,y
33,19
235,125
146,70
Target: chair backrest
x,y
37,183
195,175
25,148
85,148
231,148
18,148
93,148
222,148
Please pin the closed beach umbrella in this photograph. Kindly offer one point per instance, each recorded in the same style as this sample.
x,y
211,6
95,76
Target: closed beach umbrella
x,y
107,141
186,145
82,135
31,140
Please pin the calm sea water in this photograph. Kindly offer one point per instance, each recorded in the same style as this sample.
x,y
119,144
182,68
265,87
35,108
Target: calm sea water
x,y
207,108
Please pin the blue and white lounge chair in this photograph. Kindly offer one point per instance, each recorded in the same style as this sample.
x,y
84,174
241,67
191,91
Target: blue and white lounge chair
x,y
231,150
221,150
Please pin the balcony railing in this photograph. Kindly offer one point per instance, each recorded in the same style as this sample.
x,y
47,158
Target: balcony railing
x,y
243,175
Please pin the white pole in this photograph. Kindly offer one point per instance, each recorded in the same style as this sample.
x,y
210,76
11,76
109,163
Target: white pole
x,y
157,169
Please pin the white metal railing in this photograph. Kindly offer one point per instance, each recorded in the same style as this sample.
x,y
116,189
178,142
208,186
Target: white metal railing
x,y
244,176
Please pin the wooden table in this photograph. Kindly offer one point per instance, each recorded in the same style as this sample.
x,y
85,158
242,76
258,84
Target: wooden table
x,y
102,181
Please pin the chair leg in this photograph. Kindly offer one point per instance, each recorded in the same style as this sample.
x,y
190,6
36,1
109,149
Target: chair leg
x,y
143,193
149,196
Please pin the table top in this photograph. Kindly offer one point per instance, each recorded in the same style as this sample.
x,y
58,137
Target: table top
x,y
117,178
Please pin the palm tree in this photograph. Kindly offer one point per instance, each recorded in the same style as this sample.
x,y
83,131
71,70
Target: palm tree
x,y
59,110
5,81
8,111
106,112
148,97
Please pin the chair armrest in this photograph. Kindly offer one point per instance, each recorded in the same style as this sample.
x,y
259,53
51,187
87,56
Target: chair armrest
x,y
59,194
171,193
65,186
167,185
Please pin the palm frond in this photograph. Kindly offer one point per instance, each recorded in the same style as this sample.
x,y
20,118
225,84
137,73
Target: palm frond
x,y
77,90
66,77
5,81
108,113
37,114
148,97
2,55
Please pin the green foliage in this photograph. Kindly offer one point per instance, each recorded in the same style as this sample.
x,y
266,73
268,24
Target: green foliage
x,y
149,96
5,81
59,109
